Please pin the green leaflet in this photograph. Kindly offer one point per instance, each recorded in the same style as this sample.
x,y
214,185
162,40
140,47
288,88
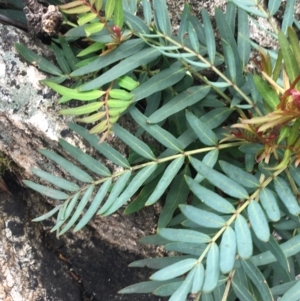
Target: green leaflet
x,y
72,169
184,288
116,190
80,207
269,204
59,182
134,143
209,36
291,291
266,91
210,198
286,195
37,60
158,263
146,286
240,176
181,101
85,109
68,53
243,237
227,250
109,8
94,205
169,174
161,17
212,269
177,194
160,81
277,251
132,188
74,93
258,279
241,291
106,150
86,160
202,217
147,12
60,58
161,135
143,57
204,133
258,221
50,192
124,50
48,214
174,270
186,248
244,47
198,278
219,180
210,159
182,235
290,62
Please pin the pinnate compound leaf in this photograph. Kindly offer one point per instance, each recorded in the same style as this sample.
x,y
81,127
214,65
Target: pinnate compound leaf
x,y
241,291
239,175
94,205
160,81
286,195
161,135
106,150
209,197
293,293
37,60
258,221
205,134
145,287
174,270
169,174
181,101
80,207
227,250
74,93
48,214
72,169
258,279
202,217
269,204
143,57
212,269
134,143
116,190
132,188
86,160
243,237
198,278
183,235
59,182
219,180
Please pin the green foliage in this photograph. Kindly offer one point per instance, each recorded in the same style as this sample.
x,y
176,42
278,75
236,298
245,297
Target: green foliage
x,y
225,192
